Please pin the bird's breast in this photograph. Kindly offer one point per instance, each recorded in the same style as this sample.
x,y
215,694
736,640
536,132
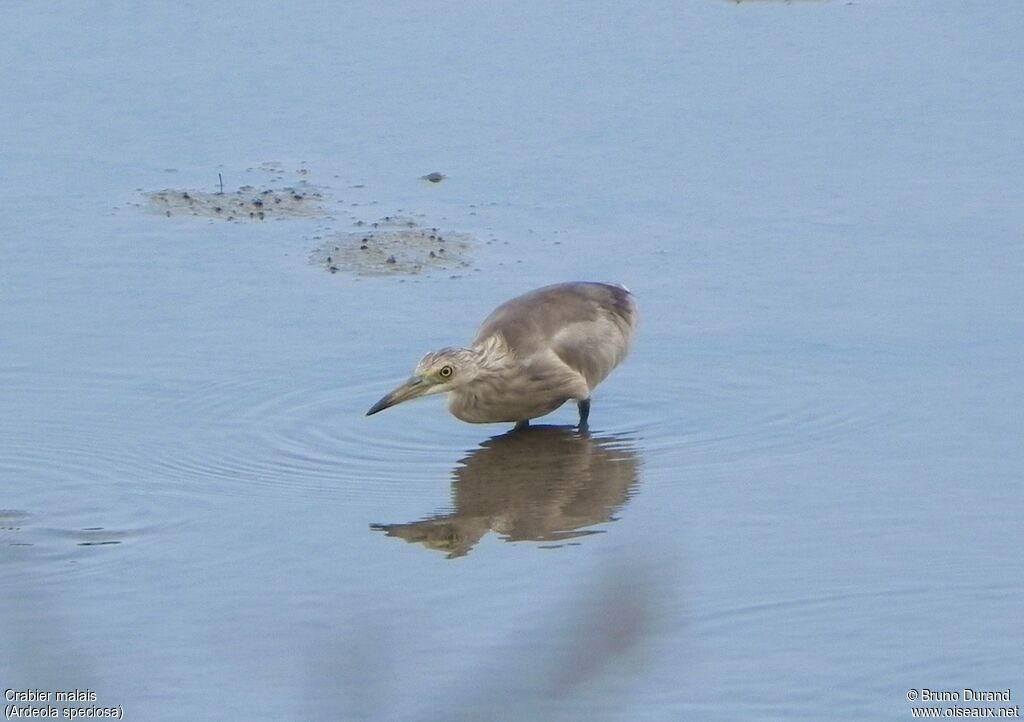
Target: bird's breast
x,y
478,408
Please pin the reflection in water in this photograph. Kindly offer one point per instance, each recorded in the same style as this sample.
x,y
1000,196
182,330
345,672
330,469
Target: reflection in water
x,y
543,483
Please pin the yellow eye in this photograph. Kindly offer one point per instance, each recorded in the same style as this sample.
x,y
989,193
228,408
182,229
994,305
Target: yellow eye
x,y
446,372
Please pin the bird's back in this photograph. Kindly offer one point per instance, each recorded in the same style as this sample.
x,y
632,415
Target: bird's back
x,y
589,326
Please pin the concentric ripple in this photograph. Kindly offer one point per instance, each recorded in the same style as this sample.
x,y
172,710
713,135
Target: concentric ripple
x,y
303,437
300,440
749,408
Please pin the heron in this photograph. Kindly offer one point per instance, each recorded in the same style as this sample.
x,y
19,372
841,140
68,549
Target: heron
x,y
530,356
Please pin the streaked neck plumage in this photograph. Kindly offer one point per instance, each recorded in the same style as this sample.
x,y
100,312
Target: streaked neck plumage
x,y
487,380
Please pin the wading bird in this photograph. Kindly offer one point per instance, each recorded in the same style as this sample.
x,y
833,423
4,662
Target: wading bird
x,y
531,355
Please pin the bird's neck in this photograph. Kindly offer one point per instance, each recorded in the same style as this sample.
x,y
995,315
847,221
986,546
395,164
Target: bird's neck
x,y
491,357
481,397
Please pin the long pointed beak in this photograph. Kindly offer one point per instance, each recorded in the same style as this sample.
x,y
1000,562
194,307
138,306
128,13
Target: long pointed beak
x,y
411,389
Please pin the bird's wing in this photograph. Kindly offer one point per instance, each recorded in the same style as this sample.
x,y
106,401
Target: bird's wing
x,y
589,326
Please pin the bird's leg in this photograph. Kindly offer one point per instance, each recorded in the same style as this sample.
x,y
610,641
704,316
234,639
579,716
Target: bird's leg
x,y
584,407
522,424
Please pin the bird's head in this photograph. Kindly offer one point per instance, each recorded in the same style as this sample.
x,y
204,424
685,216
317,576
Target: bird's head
x,y
436,373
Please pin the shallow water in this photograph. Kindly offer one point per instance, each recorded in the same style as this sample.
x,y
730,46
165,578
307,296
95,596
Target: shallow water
x,y
800,496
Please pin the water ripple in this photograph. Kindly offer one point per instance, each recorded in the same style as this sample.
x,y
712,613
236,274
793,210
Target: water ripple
x,y
747,411
299,440
303,437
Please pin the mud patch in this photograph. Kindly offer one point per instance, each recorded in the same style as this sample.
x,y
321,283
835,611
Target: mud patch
x,y
394,245
248,203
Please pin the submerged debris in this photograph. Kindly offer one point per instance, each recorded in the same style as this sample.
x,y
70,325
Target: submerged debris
x,y
396,245
246,203
392,245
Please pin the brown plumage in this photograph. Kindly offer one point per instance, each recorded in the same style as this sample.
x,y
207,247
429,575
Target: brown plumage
x,y
531,355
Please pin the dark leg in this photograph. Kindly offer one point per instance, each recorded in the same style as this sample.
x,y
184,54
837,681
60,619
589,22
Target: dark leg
x,y
525,423
584,407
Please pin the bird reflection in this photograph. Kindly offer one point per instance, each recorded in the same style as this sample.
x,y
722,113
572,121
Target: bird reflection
x,y
542,483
